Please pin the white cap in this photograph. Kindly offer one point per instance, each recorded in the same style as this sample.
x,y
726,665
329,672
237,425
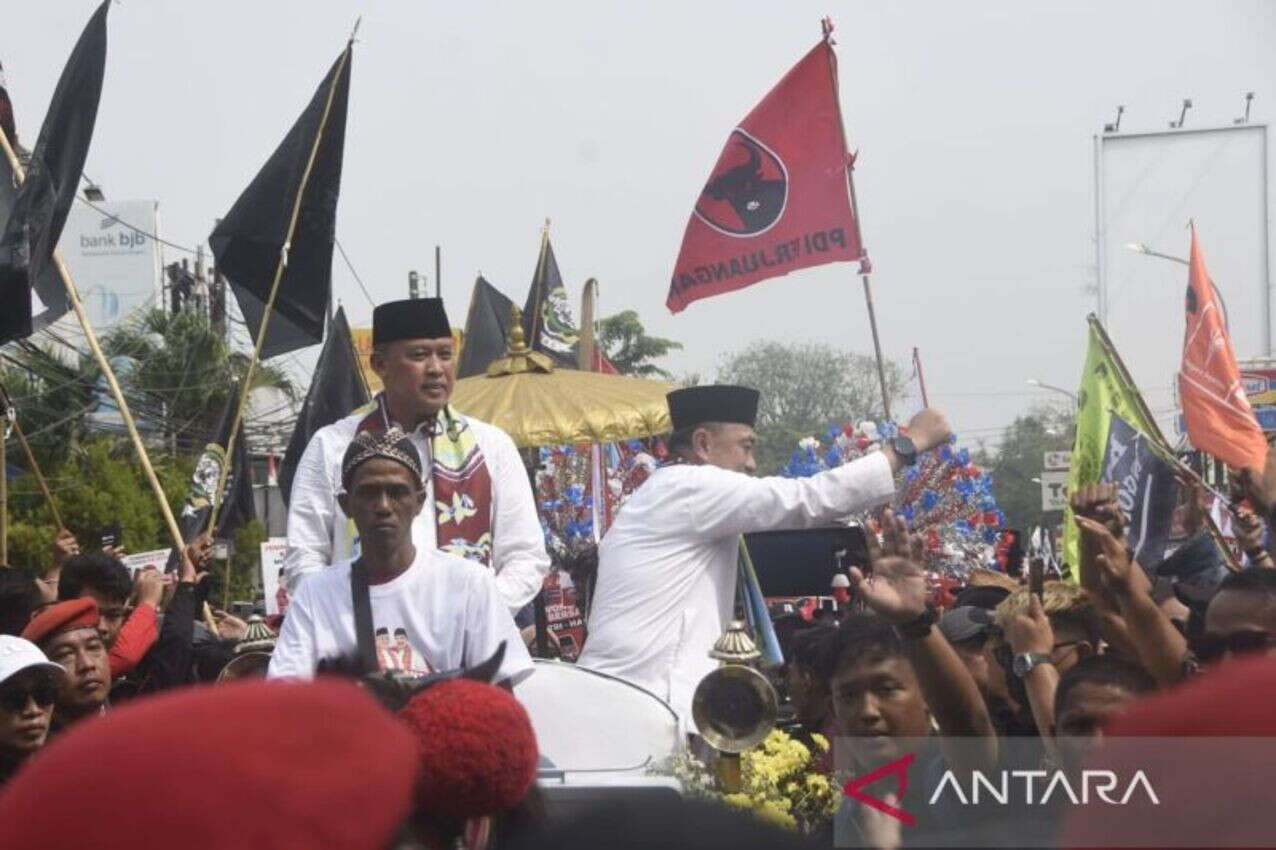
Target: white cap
x,y
17,655
840,580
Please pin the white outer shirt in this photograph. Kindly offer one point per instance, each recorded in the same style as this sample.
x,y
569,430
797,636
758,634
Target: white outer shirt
x,y
449,608
319,532
667,566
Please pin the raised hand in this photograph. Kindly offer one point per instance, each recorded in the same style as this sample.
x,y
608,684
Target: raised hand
x,y
929,429
1116,569
64,546
148,587
895,588
1260,485
1099,503
1030,631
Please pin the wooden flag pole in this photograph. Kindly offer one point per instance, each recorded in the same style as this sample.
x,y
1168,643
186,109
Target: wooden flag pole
x,y
73,296
877,347
921,379
8,410
218,494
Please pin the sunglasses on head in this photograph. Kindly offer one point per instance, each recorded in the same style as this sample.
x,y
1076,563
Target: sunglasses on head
x,y
1245,642
14,700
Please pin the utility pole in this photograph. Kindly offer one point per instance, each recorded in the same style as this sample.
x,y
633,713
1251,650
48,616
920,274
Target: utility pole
x,y
438,272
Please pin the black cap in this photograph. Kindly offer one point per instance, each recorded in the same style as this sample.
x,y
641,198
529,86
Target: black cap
x,y
413,318
964,622
714,403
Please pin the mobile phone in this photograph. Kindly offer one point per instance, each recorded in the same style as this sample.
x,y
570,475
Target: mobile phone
x,y
1037,576
111,535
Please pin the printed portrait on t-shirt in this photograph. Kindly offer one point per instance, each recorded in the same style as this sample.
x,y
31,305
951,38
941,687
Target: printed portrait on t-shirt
x,y
395,652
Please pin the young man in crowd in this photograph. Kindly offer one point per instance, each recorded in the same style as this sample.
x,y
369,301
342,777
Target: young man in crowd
x,y
807,676
667,566
20,597
67,633
449,608
1091,695
129,634
478,502
895,675
29,685
1241,618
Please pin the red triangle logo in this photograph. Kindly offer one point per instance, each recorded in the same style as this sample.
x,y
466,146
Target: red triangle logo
x,y
898,768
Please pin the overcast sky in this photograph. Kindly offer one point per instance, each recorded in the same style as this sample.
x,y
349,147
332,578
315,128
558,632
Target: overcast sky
x,y
470,123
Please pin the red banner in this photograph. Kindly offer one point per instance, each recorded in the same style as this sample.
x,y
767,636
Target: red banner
x,y
1215,407
779,198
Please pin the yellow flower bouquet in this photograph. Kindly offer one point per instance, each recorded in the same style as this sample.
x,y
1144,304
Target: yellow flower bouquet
x,y
779,783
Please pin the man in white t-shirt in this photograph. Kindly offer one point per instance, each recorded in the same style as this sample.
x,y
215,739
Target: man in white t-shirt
x,y
444,611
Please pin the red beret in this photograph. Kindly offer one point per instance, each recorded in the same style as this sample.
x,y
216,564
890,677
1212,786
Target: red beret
x,y
477,748
254,763
61,617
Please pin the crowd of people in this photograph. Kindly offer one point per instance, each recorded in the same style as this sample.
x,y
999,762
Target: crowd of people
x,y
414,549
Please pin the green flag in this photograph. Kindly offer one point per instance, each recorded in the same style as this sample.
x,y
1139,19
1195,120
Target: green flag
x,y
1106,388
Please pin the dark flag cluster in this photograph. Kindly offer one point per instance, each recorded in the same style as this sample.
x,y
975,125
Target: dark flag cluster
x,y
336,390
486,329
37,211
1146,490
250,240
779,198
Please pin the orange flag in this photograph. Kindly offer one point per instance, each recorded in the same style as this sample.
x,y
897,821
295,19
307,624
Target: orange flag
x,y
1219,418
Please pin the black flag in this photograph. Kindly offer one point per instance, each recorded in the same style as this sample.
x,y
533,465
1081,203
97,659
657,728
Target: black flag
x,y
1146,490
336,391
40,206
547,317
486,328
248,242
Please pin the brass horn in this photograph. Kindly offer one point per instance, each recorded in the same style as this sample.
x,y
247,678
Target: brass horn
x,y
735,706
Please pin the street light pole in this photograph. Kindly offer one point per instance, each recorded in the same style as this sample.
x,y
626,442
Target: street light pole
x,y
1142,248
1033,382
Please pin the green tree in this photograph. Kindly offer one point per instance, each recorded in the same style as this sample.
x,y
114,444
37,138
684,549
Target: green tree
x,y
805,388
99,483
1019,457
625,343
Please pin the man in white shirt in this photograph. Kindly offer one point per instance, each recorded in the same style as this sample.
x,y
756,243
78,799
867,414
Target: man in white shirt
x,y
667,566
445,611
479,503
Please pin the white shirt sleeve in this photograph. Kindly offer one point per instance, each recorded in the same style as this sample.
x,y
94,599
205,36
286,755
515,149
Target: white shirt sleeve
x,y
725,503
487,623
294,655
310,515
518,543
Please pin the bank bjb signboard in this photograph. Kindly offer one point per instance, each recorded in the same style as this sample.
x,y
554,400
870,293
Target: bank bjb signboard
x,y
115,264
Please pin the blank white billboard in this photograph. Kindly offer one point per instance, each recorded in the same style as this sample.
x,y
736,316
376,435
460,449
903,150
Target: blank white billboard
x,y
1152,184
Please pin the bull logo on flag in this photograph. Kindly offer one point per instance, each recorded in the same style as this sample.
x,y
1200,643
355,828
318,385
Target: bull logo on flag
x,y
747,190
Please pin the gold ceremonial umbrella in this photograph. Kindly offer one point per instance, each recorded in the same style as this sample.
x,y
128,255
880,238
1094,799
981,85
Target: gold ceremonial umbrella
x,y
538,405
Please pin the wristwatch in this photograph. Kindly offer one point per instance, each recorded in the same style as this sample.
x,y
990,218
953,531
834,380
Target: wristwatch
x,y
918,627
1025,661
904,449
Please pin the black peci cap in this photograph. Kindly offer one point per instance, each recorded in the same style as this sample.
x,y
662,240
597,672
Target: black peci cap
x,y
714,403
413,318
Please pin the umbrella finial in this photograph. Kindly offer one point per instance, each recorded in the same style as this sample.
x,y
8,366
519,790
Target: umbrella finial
x,y
517,341
519,357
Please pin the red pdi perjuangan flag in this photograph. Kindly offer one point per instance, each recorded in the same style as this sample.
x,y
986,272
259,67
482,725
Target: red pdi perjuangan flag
x,y
779,198
1219,418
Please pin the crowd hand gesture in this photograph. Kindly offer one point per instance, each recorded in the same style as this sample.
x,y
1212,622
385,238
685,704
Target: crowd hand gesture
x,y
199,553
1115,567
148,587
896,586
1099,503
1249,529
64,546
1260,485
230,627
1030,631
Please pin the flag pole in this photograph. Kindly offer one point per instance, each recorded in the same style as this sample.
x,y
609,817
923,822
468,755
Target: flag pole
x,y
826,32
921,378
877,347
274,290
10,413
73,296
